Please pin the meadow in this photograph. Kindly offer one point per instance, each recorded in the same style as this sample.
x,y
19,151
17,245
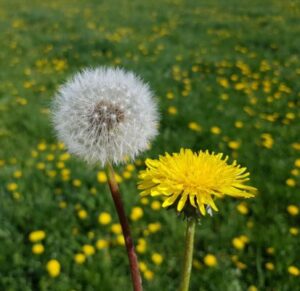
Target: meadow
x,y
226,76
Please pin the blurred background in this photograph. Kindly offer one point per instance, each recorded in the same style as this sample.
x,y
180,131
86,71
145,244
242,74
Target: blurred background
x,y
226,74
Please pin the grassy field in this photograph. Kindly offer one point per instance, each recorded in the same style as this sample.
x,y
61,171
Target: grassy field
x,y
226,74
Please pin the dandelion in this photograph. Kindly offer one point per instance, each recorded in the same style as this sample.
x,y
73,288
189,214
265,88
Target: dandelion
x,y
103,116
104,218
37,235
101,177
79,258
270,266
53,268
136,213
101,244
88,250
157,258
294,271
210,260
37,249
190,182
293,210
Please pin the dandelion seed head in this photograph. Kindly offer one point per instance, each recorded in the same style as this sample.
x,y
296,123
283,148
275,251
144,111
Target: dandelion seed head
x,y
105,114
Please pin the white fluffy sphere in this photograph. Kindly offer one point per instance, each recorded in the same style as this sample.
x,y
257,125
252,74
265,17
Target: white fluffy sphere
x,y
105,114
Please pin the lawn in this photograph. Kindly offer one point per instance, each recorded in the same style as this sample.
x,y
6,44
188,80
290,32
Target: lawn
x,y
226,77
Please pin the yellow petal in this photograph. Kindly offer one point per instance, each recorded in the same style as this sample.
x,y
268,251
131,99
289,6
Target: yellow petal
x,y
181,202
170,200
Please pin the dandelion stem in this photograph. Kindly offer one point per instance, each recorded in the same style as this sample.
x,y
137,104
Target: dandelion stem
x,y
188,255
116,195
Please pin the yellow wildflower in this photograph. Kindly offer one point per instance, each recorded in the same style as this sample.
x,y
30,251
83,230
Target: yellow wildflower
x,y
37,249
193,178
88,250
157,258
53,268
293,210
290,182
155,205
116,228
104,218
12,187
101,244
148,275
293,270
37,235
136,213
172,110
194,126
79,258
210,260
215,130
101,177
269,266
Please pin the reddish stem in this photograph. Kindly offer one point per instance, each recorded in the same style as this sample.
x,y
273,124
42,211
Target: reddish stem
x,y
116,195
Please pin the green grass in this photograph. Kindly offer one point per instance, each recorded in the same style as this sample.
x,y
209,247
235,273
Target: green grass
x,y
184,47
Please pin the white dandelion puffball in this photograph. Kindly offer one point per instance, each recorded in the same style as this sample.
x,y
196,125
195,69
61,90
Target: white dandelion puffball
x,y
105,114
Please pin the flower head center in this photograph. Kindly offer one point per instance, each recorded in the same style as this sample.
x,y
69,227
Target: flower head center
x,y
106,115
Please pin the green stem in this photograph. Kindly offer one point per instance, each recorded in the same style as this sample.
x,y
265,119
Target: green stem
x,y
188,255
133,262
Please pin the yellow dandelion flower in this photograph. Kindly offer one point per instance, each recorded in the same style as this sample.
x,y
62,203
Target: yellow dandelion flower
x,y
37,249
79,258
269,266
155,205
127,174
116,228
293,210
172,110
148,275
82,214
141,246
238,243
42,147
157,258
194,179
293,270
76,183
215,130
17,174
210,260
88,250
12,187
120,240
194,126
242,208
130,167
53,268
142,266
101,244
136,213
234,145
37,235
294,231
104,218
101,177
290,182
154,227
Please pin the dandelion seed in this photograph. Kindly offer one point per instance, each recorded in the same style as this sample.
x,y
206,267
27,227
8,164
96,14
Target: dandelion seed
x,y
105,114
